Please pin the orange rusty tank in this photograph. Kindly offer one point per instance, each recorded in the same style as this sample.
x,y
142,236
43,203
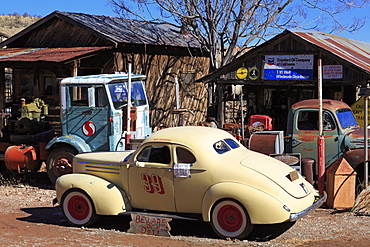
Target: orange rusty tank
x,y
19,158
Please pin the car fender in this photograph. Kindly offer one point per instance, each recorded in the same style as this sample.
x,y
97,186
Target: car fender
x,y
107,198
73,140
261,207
355,157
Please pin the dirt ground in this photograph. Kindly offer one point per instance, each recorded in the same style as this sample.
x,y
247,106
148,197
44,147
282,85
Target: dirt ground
x,y
28,218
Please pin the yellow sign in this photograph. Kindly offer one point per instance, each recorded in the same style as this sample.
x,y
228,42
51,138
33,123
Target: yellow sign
x,y
242,73
358,111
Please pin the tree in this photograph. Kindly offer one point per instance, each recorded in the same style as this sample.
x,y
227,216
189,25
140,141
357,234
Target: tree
x,y
227,28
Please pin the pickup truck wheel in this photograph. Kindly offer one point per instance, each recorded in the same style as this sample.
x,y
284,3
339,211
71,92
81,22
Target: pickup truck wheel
x,y
59,162
360,178
78,209
230,220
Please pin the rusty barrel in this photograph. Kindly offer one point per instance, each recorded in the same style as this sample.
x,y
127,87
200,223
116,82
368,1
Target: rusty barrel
x,y
307,169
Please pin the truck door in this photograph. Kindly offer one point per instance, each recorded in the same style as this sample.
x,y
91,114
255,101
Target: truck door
x,y
306,132
151,179
87,115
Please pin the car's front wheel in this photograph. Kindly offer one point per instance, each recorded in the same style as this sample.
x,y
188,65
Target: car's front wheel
x,y
230,220
78,208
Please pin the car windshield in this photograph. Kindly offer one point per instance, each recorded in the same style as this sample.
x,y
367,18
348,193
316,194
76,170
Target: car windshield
x,y
346,118
225,145
118,92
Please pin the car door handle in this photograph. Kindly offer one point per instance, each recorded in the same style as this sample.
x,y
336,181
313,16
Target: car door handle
x,y
88,112
295,142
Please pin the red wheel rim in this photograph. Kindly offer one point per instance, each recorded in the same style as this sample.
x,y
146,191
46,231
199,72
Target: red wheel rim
x,y
62,166
230,218
78,207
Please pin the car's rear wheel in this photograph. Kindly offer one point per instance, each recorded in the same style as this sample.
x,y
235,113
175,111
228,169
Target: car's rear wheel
x,y
230,220
78,208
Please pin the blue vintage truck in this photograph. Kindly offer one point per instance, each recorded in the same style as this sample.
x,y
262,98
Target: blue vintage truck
x,y
94,117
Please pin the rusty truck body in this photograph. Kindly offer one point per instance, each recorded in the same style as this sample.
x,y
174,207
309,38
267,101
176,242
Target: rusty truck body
x,y
343,136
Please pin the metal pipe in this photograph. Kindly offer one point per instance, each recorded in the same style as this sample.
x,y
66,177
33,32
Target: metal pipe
x,y
177,93
366,157
320,139
128,133
242,114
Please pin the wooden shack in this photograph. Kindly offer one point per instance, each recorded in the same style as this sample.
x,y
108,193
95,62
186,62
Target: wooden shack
x,y
65,44
284,70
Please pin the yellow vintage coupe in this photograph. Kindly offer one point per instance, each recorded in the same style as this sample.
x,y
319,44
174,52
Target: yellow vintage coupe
x,y
196,172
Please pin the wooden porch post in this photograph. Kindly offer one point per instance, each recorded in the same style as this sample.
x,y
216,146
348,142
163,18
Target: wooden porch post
x,y
76,64
2,88
220,105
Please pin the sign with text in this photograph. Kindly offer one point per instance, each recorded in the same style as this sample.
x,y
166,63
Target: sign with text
x,y
288,67
181,170
358,110
332,72
150,225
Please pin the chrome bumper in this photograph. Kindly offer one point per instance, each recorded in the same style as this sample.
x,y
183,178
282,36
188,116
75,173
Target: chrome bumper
x,y
318,203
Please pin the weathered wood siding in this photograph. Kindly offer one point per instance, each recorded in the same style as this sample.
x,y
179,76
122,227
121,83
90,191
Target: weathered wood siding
x,y
160,85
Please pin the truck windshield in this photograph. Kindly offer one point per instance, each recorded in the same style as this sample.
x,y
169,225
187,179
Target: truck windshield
x,y
118,92
346,118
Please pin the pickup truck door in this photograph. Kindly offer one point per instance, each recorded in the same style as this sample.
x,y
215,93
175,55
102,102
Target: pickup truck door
x,y
306,132
87,115
151,179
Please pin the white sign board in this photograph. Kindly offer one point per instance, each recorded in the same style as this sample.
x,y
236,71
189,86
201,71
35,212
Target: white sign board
x,y
288,67
332,72
181,170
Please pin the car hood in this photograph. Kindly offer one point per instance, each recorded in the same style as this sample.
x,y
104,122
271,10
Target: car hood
x,y
279,173
355,138
105,157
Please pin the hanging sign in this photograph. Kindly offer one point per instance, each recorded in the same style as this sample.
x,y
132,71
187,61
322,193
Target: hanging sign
x,y
332,72
242,73
288,67
253,73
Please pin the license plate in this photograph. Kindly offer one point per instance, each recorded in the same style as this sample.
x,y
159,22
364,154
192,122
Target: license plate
x,y
293,175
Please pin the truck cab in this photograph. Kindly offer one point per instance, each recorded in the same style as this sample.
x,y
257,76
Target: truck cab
x,y
343,136
94,117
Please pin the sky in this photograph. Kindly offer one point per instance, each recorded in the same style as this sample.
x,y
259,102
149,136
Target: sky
x,y
101,7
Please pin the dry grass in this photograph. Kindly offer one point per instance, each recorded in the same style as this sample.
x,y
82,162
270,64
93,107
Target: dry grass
x,y
12,24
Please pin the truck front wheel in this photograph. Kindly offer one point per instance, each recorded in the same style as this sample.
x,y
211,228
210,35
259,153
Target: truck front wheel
x,y
59,162
78,208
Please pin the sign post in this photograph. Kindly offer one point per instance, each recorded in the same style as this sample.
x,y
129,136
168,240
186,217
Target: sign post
x,y
320,139
365,92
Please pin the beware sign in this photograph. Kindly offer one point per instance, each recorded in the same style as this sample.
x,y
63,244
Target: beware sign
x,y
150,225
358,111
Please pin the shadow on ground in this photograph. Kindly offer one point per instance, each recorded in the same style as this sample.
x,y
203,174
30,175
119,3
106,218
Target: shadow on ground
x,y
54,216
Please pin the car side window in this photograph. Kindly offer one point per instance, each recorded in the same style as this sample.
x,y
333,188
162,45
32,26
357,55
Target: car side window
x,y
328,122
307,120
155,154
221,147
78,96
184,156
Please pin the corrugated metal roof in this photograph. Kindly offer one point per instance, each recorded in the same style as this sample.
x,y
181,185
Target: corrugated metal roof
x,y
354,51
45,54
133,31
